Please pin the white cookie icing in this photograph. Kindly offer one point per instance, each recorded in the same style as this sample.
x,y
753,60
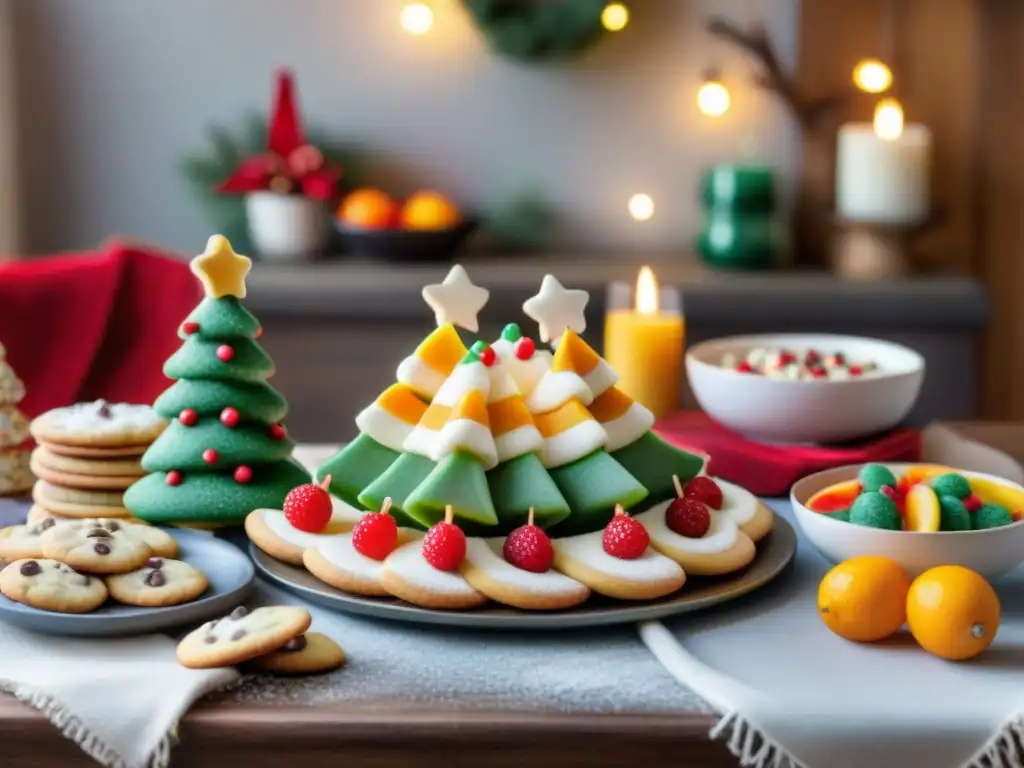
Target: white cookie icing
x,y
721,536
738,504
339,552
525,373
415,373
519,441
628,428
343,513
407,562
557,388
502,386
601,379
574,443
85,417
488,556
466,378
383,427
587,550
469,436
279,525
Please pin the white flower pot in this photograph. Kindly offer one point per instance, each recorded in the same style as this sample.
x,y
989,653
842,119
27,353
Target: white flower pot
x,y
287,226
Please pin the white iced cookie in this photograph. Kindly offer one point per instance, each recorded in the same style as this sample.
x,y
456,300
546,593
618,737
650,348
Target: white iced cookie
x,y
746,510
723,549
487,570
99,424
649,576
408,576
336,562
270,530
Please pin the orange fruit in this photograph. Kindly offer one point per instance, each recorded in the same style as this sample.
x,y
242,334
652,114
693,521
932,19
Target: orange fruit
x,y
864,599
368,209
427,210
952,612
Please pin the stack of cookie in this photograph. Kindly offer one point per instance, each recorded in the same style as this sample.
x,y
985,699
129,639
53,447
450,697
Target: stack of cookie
x,y
15,476
87,455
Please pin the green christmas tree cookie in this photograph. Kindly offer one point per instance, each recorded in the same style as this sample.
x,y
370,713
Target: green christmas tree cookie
x,y
225,452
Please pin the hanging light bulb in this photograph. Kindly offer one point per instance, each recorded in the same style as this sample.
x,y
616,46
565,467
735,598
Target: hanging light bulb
x,y
615,17
872,76
417,18
712,97
888,122
641,206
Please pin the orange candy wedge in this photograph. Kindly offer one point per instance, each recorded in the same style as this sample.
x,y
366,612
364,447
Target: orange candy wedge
x,y
835,497
922,509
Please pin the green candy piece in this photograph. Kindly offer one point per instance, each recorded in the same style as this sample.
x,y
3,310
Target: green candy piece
x,y
204,497
458,480
397,482
953,515
197,359
356,466
874,476
182,448
593,486
839,514
652,461
875,510
511,332
254,402
223,318
521,483
991,516
951,484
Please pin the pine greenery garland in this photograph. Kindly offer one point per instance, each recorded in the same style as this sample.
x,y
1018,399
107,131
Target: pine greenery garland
x,y
225,149
533,31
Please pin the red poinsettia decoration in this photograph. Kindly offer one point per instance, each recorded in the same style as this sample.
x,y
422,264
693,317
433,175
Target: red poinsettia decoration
x,y
290,165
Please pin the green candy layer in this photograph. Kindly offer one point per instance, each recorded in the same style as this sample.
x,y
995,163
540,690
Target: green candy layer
x,y
181,447
397,482
223,318
213,498
458,480
355,467
593,486
197,359
522,483
652,461
254,402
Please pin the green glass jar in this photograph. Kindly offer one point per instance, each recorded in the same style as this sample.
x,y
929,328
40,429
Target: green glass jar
x,y
741,229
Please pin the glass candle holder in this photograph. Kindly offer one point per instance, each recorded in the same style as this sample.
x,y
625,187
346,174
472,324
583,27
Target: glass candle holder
x,y
644,336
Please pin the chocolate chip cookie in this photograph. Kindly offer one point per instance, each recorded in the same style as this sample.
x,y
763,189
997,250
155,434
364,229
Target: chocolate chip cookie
x,y
241,636
307,654
95,549
159,583
21,541
52,586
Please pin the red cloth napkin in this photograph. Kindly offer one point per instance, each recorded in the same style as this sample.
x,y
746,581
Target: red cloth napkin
x,y
79,327
771,470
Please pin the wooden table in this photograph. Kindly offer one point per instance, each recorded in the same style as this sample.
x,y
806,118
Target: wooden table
x,y
394,735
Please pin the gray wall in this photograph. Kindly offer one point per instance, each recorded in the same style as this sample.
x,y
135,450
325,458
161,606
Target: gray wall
x,y
113,92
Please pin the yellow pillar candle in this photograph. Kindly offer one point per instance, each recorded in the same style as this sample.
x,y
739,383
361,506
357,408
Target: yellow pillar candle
x,y
643,342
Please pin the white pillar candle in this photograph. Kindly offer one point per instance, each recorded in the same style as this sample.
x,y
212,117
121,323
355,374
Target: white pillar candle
x,y
882,180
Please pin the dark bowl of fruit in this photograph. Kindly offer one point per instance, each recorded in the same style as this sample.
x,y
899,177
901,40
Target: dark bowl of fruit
x,y
920,515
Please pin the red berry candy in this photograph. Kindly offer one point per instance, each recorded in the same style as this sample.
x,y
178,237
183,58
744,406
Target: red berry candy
x,y
705,490
786,358
189,327
444,546
188,417
972,503
525,348
856,370
225,353
243,474
624,537
309,507
819,373
688,517
259,332
529,548
277,432
487,356
838,359
173,477
744,367
229,417
210,456
812,357
376,533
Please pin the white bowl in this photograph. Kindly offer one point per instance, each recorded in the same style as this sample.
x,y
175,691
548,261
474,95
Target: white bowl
x,y
806,411
991,552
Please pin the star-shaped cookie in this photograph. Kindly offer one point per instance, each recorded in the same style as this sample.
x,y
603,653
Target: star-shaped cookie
x,y
221,270
556,308
456,300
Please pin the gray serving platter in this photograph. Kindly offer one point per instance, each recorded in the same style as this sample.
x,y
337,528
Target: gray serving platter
x,y
228,569
775,552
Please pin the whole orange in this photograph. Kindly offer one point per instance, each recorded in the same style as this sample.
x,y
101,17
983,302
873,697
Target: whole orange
x,y
864,599
429,210
369,209
952,612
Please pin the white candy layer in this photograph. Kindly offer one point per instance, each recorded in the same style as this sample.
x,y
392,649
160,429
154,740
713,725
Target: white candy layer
x,y
629,427
413,372
466,435
574,443
466,378
601,379
518,442
555,389
387,430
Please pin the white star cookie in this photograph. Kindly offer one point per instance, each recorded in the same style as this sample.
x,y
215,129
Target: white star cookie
x,y
456,300
556,308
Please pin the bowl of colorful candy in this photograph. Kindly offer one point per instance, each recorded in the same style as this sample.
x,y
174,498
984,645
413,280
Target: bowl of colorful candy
x,y
920,515
805,388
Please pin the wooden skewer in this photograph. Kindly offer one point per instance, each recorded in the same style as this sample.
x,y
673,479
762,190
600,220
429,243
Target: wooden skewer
x,y
449,513
326,482
678,485
529,519
385,506
619,509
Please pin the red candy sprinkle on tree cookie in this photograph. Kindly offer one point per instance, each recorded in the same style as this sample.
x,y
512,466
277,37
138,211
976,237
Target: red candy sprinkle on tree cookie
x,y
444,546
624,537
528,547
308,507
376,533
